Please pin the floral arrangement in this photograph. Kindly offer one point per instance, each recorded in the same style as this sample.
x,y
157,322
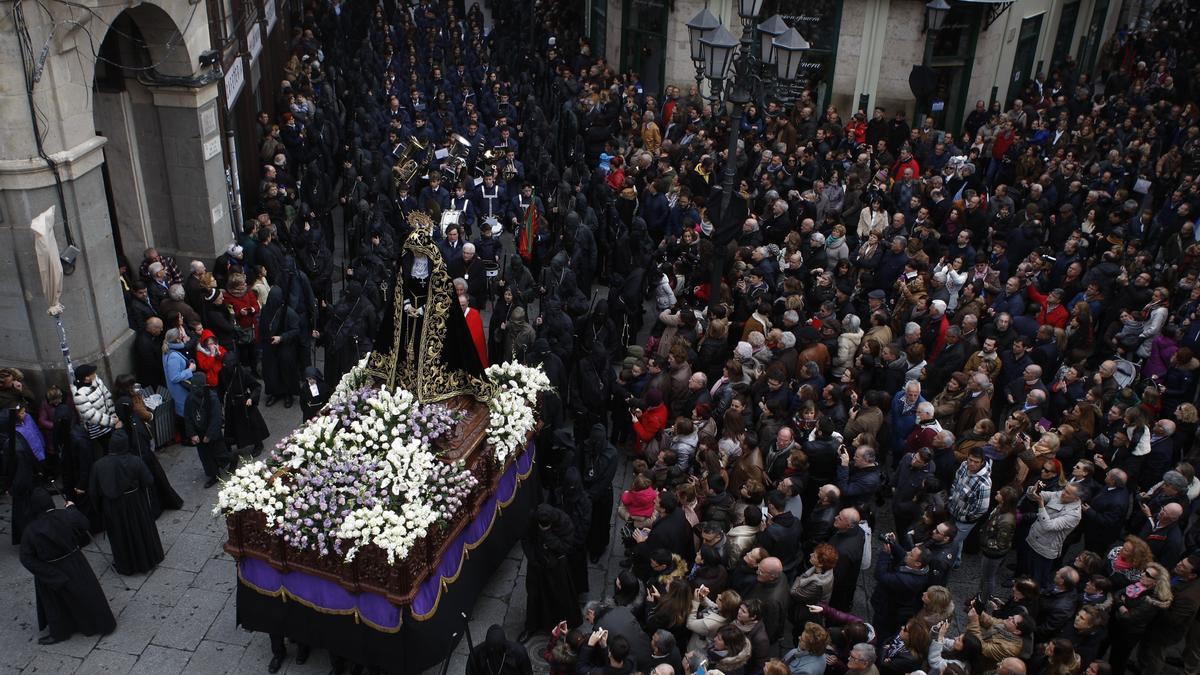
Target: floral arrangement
x,y
368,471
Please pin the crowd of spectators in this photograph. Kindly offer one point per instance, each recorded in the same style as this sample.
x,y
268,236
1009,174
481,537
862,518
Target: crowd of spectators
x,y
929,347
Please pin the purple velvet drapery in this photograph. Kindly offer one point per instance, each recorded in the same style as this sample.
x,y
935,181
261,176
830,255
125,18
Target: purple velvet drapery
x,y
374,609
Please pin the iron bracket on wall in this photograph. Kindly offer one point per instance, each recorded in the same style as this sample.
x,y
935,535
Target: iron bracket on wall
x,y
994,11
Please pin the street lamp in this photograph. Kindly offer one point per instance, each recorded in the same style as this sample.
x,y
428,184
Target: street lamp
x,y
935,14
717,50
701,26
737,78
769,30
749,9
788,50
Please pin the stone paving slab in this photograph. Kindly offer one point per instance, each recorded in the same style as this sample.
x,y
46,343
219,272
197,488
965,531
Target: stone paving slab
x,y
156,660
190,619
104,662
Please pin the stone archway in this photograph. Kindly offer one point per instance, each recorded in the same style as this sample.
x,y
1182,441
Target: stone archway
x,y
162,134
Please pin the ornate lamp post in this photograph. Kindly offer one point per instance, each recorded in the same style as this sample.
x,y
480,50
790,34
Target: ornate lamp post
x,y
737,77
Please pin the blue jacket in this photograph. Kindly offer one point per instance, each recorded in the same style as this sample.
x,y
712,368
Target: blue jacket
x,y
175,366
902,425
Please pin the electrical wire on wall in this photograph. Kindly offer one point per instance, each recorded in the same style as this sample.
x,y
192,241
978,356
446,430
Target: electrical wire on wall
x,y
32,73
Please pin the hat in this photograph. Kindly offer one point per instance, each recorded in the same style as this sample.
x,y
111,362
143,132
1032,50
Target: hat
x,y
84,370
235,250
211,294
877,295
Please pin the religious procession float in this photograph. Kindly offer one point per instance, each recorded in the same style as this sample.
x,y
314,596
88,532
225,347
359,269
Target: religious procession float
x,y
372,528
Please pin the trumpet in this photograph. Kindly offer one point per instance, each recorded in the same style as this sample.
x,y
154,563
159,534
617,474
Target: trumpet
x,y
407,165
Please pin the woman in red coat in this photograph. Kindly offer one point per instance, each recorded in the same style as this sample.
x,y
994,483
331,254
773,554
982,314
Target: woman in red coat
x,y
475,325
647,423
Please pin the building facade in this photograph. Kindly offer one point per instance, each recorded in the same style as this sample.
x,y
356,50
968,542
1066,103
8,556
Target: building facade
x,y
109,115
864,50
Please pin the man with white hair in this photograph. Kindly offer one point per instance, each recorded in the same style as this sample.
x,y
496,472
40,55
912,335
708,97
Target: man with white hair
x,y
903,416
926,430
1162,453
861,659
192,287
469,268
1163,533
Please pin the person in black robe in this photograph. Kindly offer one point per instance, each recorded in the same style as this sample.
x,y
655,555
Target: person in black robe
x,y
202,424
549,584
120,485
68,595
20,470
279,326
347,334
571,498
598,466
161,495
314,393
239,391
498,656
77,454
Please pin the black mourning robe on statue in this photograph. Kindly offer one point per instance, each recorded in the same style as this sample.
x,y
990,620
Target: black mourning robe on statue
x,y
458,353
120,486
69,597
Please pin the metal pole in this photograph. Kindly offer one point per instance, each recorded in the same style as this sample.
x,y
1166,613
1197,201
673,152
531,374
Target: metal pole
x,y
235,185
63,345
727,178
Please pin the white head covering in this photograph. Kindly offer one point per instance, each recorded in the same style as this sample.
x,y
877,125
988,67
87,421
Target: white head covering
x,y
420,266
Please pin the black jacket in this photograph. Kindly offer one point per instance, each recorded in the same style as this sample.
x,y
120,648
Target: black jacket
x,y
782,539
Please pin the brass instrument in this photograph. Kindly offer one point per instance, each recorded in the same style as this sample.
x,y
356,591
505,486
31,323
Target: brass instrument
x,y
509,171
407,165
456,162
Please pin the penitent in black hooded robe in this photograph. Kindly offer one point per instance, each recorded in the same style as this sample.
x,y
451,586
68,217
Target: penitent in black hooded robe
x,y
69,597
120,485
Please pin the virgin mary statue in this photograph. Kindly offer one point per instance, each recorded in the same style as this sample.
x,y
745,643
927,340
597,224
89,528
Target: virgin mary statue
x,y
424,344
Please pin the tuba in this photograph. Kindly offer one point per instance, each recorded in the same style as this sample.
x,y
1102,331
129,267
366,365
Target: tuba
x,y
407,165
456,162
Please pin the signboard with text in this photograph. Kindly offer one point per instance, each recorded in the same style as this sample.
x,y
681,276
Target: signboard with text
x,y
819,21
235,79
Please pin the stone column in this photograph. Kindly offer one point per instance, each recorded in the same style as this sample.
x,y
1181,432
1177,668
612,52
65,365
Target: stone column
x,y
192,173
97,328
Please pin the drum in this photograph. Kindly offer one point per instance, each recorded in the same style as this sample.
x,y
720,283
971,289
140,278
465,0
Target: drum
x,y
491,268
497,227
450,217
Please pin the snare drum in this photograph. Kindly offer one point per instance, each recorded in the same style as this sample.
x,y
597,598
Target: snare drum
x,y
491,268
450,217
497,227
